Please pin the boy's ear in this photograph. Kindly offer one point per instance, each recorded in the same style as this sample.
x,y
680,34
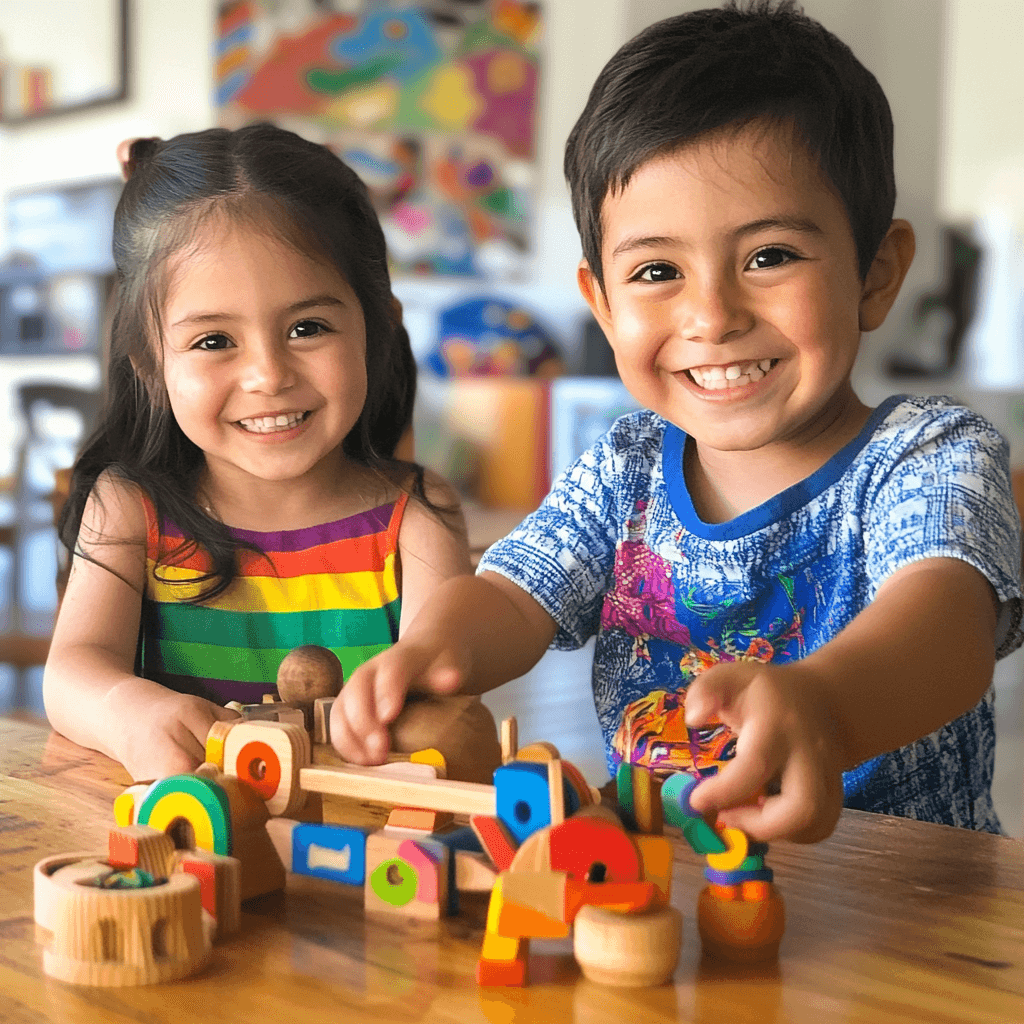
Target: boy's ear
x,y
886,274
591,290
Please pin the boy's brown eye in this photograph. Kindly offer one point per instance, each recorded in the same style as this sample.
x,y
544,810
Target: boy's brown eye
x,y
766,259
306,329
213,343
657,272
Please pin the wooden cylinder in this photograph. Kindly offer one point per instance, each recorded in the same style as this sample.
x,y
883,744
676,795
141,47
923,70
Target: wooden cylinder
x,y
741,931
628,950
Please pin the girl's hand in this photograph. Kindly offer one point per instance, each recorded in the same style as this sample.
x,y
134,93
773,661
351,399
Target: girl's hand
x,y
785,747
163,733
374,694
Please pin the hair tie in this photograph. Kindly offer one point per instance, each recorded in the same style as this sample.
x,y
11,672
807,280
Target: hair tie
x,y
140,151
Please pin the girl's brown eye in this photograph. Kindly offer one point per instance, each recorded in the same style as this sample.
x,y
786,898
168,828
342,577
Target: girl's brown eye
x,y
306,329
213,342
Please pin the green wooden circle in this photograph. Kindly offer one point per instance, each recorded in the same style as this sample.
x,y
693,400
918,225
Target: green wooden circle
x,y
400,894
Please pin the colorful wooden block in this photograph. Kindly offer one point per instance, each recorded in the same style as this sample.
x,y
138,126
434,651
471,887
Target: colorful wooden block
x,y
215,741
419,818
405,876
195,810
140,846
523,799
496,840
220,886
335,852
433,757
268,756
126,804
592,849
656,862
734,854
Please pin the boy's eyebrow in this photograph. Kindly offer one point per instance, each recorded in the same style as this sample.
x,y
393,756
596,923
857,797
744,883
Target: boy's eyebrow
x,y
800,224
296,307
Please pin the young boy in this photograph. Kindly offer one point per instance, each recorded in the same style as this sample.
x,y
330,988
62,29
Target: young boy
x,y
816,585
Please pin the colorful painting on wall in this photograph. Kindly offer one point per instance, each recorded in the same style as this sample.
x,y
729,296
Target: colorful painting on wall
x,y
433,104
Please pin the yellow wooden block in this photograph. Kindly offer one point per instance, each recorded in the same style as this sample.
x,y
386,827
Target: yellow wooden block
x,y
735,853
432,757
215,741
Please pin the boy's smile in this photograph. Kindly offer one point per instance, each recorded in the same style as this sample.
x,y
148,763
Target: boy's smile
x,y
732,298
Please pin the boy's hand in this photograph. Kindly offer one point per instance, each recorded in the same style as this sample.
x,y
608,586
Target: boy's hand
x,y
374,694
164,733
785,746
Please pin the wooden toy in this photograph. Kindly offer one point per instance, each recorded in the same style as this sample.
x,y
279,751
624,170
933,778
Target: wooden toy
x,y
139,846
268,756
406,874
629,950
308,674
99,934
220,886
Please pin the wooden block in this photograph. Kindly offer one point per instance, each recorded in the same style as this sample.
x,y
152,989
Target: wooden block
x,y
268,756
274,711
419,818
647,810
322,719
509,739
220,887
522,799
46,896
139,846
592,849
126,804
113,937
534,854
380,786
556,792
433,757
193,809
474,872
269,698
280,831
702,837
628,950
495,839
541,891
539,752
408,877
261,867
656,863
574,777
675,799
215,741
334,852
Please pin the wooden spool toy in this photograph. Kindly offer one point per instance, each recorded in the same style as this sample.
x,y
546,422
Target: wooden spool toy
x,y
118,936
628,950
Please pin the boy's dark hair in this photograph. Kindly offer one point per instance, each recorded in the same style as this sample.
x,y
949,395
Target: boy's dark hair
x,y
689,76
275,180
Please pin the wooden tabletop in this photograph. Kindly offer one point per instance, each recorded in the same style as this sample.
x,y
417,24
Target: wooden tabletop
x,y
889,920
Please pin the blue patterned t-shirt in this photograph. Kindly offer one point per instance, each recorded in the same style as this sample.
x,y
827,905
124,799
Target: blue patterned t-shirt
x,y
616,550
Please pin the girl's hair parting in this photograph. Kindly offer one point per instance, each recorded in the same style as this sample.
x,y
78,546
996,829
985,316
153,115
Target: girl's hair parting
x,y
300,191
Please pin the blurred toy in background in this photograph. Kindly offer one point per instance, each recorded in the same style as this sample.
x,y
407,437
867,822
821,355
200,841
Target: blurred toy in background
x,y
489,337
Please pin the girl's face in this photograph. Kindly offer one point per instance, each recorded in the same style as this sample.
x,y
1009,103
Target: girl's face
x,y
264,355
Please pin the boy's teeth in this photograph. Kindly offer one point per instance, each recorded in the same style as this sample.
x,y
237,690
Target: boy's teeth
x,y
268,424
717,378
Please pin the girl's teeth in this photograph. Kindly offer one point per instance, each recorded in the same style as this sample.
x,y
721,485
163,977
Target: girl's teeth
x,y
269,424
732,372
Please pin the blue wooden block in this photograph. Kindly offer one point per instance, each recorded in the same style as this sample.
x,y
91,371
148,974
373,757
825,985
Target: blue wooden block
x,y
458,839
521,798
336,852
736,877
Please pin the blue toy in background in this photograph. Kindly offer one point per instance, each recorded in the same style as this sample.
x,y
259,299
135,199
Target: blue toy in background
x,y
490,337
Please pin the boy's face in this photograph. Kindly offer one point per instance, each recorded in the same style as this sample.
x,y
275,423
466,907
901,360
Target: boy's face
x,y
732,296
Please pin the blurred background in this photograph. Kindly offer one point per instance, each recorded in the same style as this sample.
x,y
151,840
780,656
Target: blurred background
x,y
455,113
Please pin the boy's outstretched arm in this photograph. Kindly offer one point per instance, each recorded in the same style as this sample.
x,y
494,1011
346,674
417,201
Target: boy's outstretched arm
x,y
474,634
920,655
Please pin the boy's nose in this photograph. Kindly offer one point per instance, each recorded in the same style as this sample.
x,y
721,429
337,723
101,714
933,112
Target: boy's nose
x,y
267,370
713,311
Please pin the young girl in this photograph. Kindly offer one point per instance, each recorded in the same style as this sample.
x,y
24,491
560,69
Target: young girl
x,y
242,496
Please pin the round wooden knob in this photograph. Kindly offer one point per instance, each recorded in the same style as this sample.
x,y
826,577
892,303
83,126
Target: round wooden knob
x,y
307,673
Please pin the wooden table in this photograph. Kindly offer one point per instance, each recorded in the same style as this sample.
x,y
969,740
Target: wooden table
x,y
889,920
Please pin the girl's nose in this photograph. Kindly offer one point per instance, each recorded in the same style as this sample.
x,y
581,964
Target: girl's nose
x,y
714,310
268,370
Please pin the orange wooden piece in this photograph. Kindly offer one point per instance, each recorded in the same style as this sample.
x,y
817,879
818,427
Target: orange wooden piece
x,y
740,931
592,849
419,818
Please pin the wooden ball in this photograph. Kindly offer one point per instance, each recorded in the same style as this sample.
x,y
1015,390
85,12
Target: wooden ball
x,y
308,673
628,950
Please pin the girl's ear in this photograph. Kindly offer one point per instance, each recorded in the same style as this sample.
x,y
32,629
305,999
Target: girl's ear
x,y
593,293
886,273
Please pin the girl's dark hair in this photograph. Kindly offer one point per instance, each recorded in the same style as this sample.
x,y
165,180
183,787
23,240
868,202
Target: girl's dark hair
x,y
282,183
696,74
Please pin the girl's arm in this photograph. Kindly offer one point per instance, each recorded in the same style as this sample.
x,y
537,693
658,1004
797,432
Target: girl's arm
x,y
90,691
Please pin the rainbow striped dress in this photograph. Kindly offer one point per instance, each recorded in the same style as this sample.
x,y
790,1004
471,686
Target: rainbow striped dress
x,y
334,585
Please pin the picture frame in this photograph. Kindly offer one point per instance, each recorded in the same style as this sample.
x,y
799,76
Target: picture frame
x,y
582,409
61,58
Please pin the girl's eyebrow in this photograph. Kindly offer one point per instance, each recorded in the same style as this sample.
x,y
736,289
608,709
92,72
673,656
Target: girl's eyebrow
x,y
296,307
800,224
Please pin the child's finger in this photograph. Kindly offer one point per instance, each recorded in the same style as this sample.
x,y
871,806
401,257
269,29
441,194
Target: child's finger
x,y
358,704
444,675
708,696
741,780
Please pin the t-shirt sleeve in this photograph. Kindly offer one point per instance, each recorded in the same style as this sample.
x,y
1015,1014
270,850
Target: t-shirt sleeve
x,y
945,493
564,553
